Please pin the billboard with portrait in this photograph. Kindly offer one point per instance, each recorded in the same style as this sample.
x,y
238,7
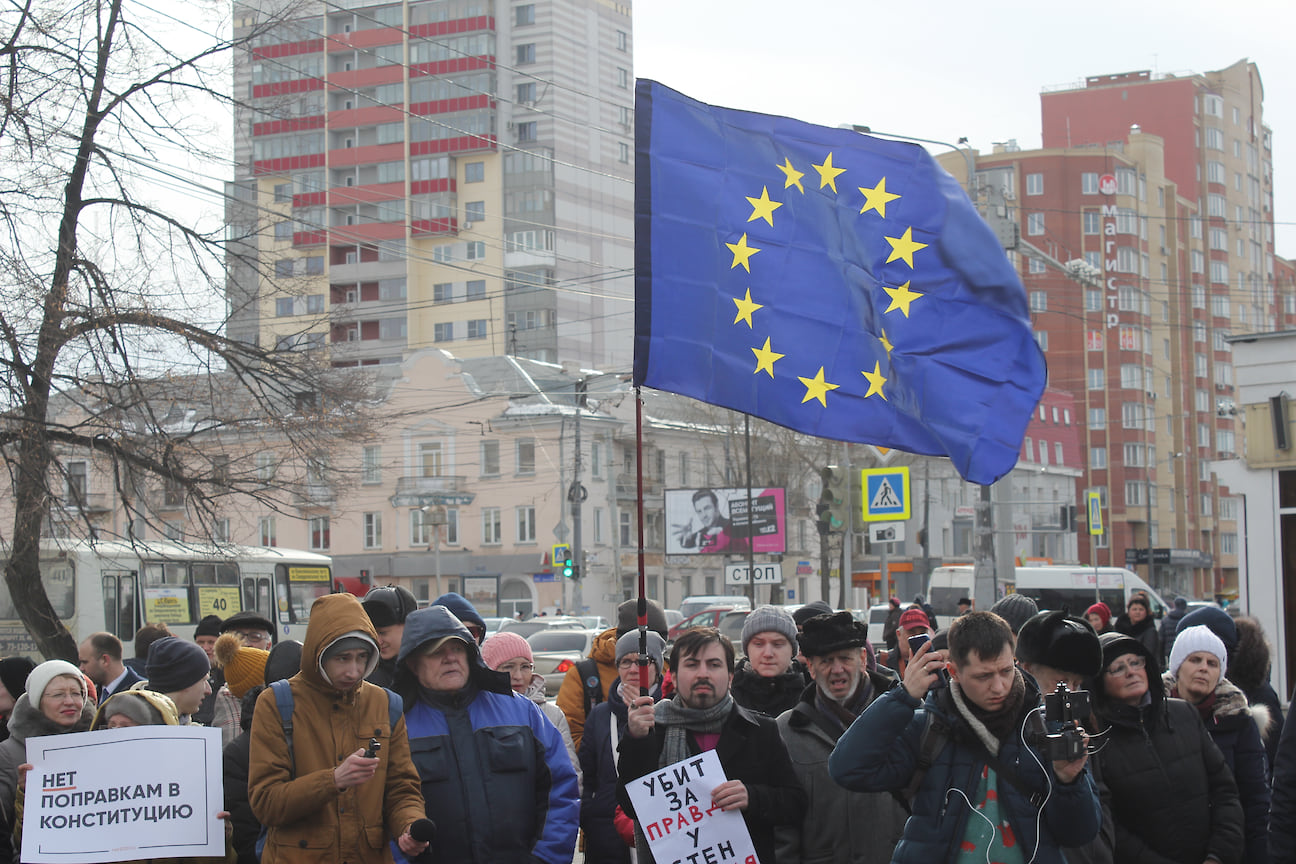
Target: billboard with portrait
x,y
714,521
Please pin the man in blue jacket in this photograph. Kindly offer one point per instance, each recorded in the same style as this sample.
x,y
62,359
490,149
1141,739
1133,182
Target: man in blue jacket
x,y
495,773
977,793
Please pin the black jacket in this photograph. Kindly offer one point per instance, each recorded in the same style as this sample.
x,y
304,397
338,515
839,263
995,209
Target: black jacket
x,y
1282,806
1145,632
768,696
750,750
599,795
234,769
1173,796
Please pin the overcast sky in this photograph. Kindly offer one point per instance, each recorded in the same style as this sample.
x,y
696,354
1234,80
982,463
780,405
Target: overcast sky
x,y
945,70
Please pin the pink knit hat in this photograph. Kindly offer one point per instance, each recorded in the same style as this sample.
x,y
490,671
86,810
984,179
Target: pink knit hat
x,y
503,647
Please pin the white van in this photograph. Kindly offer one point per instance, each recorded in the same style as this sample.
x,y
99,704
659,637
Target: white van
x,y
1053,587
698,602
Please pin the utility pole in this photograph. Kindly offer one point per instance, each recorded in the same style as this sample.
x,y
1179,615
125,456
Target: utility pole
x,y
577,497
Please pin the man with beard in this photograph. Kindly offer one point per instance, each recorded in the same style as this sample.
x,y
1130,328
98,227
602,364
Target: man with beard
x,y
841,827
702,716
769,679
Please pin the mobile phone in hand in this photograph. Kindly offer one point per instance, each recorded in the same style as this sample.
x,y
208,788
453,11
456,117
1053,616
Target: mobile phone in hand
x,y
374,746
915,645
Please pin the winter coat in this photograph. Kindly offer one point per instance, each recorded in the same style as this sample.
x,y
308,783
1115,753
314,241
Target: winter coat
x,y
384,674
26,721
769,697
1173,797
1263,694
309,820
880,752
841,827
1169,629
1145,632
890,627
554,714
571,695
495,772
1235,727
1282,805
750,750
599,772
234,771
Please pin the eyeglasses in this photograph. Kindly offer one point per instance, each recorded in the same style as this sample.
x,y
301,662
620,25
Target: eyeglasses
x,y
60,695
254,637
1134,663
510,668
630,663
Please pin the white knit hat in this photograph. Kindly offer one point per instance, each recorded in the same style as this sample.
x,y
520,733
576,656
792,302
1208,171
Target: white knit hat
x,y
46,672
1192,640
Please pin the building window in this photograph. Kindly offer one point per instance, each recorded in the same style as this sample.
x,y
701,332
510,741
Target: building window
x,y
373,530
600,516
475,211
1034,184
451,526
596,459
526,93
420,528
1092,222
490,459
266,528
1097,418
527,131
474,172
476,250
1041,338
526,524
1034,224
1038,299
477,328
283,231
1095,378
318,527
429,459
1028,449
1098,458
525,456
1089,183
443,331
623,152
372,472
265,466
1035,265
623,78
627,531
1057,453
526,54
623,40
491,534
524,15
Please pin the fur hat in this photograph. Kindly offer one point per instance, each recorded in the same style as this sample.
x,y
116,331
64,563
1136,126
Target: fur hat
x,y
1216,619
765,619
629,644
1192,640
824,634
13,674
1061,641
208,626
810,610
42,675
628,618
503,646
1016,609
174,664
914,617
244,667
1102,610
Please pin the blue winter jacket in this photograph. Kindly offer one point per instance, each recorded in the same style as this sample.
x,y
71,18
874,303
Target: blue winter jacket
x,y
494,771
880,751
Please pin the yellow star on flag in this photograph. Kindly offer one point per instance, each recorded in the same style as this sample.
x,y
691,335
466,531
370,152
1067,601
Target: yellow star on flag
x,y
904,247
877,198
900,299
765,358
817,387
827,173
763,207
745,308
875,380
792,177
886,343
742,253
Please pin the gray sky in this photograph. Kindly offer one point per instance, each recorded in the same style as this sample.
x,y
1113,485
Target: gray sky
x,y
943,70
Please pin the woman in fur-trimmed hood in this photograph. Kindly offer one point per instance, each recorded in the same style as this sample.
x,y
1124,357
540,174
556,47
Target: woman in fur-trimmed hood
x,y
1198,661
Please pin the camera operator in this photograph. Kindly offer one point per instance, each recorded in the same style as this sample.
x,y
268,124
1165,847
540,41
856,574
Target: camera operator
x,y
976,791
1059,649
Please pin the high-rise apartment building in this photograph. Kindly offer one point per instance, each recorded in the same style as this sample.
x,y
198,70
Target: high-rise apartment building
x,y
434,173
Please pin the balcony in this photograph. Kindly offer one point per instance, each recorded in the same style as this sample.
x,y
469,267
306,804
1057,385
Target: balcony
x,y
88,503
314,495
626,486
424,491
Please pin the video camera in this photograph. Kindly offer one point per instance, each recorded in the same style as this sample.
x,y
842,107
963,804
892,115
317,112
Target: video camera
x,y
1061,738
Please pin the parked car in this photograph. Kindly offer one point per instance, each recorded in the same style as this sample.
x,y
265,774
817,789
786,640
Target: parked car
x,y
722,619
700,602
876,622
594,622
673,617
555,650
493,625
535,625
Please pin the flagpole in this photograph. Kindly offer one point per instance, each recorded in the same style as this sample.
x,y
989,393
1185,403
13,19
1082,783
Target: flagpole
x,y
751,533
644,681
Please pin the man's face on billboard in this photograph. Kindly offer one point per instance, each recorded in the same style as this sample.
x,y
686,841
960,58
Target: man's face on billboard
x,y
707,512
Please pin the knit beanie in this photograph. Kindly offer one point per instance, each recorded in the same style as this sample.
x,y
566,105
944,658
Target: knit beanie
x,y
629,644
174,664
134,705
1192,640
244,667
46,672
208,626
810,610
913,618
1102,610
1016,609
13,674
766,619
460,607
1216,619
628,618
504,646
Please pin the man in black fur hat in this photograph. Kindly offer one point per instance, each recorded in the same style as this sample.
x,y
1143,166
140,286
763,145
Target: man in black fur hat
x,y
839,826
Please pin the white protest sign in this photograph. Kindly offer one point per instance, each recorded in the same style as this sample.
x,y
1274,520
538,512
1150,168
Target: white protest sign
x,y
674,809
124,794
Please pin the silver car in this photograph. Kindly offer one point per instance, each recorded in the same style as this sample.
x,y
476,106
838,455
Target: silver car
x,y
555,650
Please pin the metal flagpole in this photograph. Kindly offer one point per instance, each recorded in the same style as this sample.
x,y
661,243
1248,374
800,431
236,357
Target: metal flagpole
x,y
645,680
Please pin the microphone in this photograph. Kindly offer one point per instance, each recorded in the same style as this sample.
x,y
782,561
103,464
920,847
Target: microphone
x,y
423,830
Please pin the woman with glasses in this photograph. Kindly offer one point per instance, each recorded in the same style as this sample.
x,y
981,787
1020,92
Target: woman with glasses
x,y
1173,798
510,653
55,702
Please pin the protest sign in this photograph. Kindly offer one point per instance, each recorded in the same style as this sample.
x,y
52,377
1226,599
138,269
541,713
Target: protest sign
x,y
143,791
674,809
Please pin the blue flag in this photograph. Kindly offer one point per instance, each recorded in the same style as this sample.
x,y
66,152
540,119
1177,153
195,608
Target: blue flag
x,y
837,284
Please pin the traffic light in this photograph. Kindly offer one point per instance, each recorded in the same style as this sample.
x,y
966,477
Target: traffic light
x,y
834,501
562,558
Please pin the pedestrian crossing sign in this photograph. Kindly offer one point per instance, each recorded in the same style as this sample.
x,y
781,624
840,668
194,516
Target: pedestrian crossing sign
x,y
886,494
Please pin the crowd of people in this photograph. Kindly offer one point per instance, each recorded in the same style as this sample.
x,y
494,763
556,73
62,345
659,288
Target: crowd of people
x,y
402,734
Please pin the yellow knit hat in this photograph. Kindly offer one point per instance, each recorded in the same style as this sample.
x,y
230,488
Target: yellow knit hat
x,y
244,667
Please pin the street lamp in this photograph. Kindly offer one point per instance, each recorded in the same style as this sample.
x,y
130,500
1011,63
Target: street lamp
x,y
435,516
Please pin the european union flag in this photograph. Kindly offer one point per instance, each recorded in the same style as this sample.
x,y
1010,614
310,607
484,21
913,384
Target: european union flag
x,y
830,282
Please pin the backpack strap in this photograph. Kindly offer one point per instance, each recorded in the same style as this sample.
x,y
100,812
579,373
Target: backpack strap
x,y
591,683
935,735
395,708
284,702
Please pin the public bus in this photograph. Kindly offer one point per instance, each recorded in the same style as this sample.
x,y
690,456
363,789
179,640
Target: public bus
x,y
120,586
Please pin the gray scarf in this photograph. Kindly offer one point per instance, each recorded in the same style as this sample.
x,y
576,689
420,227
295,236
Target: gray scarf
x,y
679,720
